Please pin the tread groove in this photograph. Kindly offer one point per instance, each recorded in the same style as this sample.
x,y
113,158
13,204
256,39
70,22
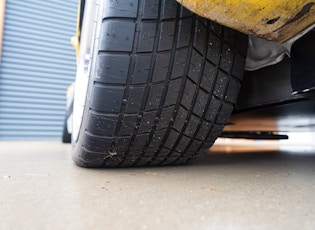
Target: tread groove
x,y
178,103
148,83
152,64
194,99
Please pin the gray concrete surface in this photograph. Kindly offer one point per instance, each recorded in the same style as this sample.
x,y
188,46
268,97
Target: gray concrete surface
x,y
41,188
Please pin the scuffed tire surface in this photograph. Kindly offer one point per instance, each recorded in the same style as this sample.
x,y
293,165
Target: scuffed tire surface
x,y
164,85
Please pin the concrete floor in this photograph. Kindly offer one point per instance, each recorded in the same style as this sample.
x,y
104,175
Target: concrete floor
x,y
42,189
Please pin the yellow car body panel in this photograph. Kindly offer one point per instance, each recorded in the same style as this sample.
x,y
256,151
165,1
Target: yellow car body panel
x,y
277,20
75,40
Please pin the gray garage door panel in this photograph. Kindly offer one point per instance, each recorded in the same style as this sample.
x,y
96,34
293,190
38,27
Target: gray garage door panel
x,y
37,65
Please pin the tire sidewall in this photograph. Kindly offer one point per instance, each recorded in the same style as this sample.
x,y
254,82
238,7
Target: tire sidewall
x,y
78,140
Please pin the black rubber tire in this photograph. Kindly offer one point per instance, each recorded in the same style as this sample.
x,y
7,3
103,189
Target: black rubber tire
x,y
66,136
164,85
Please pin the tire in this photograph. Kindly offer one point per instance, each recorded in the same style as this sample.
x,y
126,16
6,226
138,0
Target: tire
x,y
162,85
67,125
66,136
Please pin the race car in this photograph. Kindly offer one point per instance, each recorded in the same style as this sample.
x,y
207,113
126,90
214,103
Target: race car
x,y
158,80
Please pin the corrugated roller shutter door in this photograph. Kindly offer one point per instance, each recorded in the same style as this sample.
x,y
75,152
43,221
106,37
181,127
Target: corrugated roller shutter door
x,y
37,66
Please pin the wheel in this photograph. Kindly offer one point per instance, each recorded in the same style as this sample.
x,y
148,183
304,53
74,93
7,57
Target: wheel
x,y
67,125
66,136
155,84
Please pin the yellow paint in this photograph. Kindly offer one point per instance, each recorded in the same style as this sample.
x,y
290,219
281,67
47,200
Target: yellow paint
x,y
277,20
76,44
75,40
70,89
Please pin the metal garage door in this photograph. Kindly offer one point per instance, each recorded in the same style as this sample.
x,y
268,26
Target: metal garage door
x,y
37,65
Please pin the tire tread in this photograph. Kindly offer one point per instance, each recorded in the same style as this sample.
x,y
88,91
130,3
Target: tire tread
x,y
149,106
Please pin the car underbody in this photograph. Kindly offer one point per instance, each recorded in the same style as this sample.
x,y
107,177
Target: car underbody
x,y
279,97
